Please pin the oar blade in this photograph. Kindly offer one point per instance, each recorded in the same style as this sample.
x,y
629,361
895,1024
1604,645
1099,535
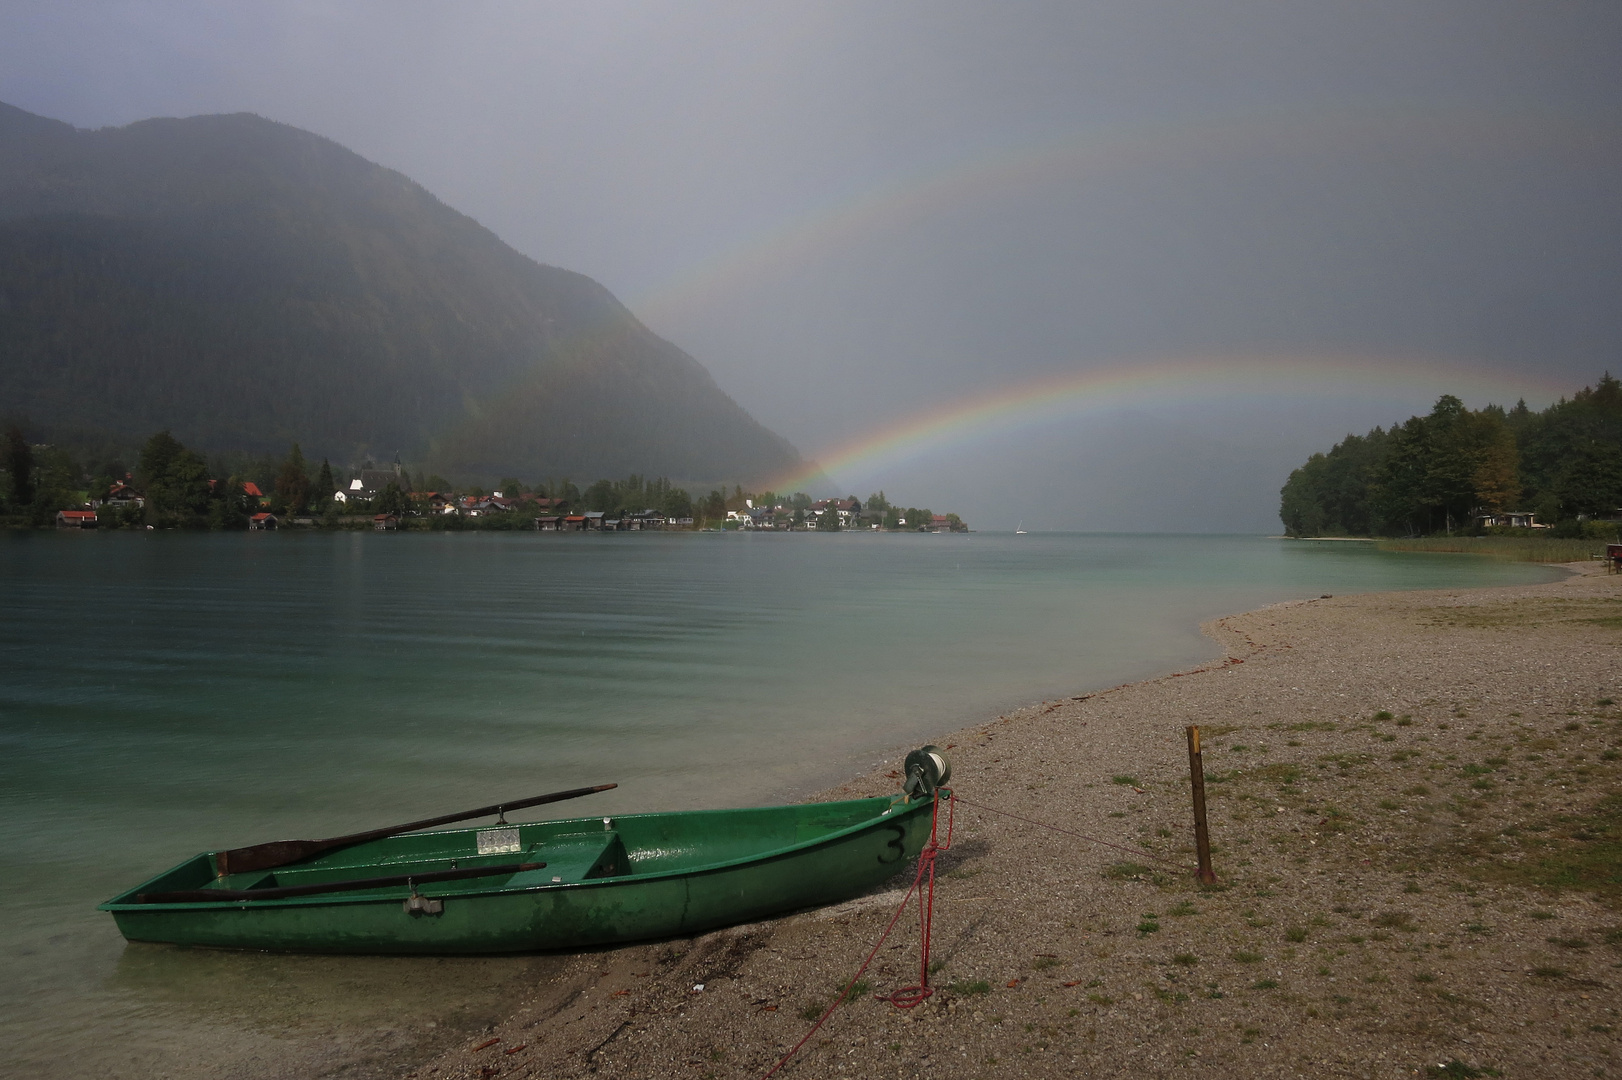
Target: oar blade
x,y
245,860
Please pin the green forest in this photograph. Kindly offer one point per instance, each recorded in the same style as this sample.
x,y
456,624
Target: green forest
x,y
1441,473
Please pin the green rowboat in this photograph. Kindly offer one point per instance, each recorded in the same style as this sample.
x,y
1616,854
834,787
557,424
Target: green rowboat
x,y
546,885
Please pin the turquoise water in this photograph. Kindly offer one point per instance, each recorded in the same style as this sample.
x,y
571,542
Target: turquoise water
x,y
162,694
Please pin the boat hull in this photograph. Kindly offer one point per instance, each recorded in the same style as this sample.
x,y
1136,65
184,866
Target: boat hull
x,y
653,881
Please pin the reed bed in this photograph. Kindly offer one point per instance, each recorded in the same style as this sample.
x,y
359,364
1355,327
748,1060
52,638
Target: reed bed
x,y
1516,548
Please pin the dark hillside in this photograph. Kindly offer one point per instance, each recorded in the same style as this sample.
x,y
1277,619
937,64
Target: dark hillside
x,y
246,284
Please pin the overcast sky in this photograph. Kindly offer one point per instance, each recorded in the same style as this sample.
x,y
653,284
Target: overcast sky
x,y
860,216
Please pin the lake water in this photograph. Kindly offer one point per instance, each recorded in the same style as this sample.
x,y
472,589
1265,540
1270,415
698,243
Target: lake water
x,y
164,694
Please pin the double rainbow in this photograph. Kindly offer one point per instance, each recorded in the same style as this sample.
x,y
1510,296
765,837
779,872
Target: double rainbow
x,y
1071,157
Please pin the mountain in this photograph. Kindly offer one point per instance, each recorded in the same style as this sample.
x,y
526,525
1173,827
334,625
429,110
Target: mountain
x,y
247,284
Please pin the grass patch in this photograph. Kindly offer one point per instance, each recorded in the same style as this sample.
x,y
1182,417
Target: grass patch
x,y
1247,957
1126,871
1512,548
1395,920
1280,773
1581,851
970,987
1125,781
860,989
1187,959
1532,611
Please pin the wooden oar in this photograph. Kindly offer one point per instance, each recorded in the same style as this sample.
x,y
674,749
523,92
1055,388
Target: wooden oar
x,y
244,860
195,896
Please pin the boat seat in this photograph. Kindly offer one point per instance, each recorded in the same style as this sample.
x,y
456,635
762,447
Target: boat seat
x,y
581,857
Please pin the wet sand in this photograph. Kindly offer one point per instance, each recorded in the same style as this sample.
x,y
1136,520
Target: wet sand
x,y
1388,773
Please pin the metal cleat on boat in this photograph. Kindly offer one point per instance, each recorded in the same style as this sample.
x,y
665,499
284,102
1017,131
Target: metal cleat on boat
x,y
417,906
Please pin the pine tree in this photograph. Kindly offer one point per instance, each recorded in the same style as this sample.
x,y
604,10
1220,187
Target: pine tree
x,y
392,500
293,482
160,450
325,485
20,464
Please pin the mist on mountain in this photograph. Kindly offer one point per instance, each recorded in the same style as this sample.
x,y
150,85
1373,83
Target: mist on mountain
x,y
247,284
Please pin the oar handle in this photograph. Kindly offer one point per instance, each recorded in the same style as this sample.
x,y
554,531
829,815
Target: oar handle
x,y
284,852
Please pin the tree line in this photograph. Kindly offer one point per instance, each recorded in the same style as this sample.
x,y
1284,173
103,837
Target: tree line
x,y
184,489
1438,473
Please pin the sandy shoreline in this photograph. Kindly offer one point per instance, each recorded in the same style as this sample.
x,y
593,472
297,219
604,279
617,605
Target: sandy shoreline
x,y
1377,912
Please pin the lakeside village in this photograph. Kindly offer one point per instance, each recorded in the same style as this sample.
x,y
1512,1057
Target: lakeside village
x,y
171,487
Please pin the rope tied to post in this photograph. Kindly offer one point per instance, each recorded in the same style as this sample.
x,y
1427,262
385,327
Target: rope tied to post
x,y
908,996
1069,832
923,883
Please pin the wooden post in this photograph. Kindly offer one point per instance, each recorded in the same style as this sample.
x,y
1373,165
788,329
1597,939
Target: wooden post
x,y
1202,836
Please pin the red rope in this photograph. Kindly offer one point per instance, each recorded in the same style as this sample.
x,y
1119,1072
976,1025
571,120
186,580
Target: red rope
x,y
1067,832
908,997
926,916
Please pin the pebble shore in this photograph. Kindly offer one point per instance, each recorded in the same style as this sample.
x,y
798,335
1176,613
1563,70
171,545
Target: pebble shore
x,y
1394,781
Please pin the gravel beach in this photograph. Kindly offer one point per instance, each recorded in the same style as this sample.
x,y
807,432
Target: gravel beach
x,y
1416,807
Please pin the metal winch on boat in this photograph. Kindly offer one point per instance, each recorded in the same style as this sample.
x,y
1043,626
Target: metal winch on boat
x,y
926,769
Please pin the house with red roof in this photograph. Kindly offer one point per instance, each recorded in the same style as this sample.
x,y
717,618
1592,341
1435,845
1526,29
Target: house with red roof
x,y
121,495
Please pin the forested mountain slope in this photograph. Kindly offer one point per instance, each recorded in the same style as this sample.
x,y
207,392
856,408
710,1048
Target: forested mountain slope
x,y
247,284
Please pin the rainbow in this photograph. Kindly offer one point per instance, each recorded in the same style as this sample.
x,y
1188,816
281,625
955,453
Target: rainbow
x,y
1160,383
946,187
